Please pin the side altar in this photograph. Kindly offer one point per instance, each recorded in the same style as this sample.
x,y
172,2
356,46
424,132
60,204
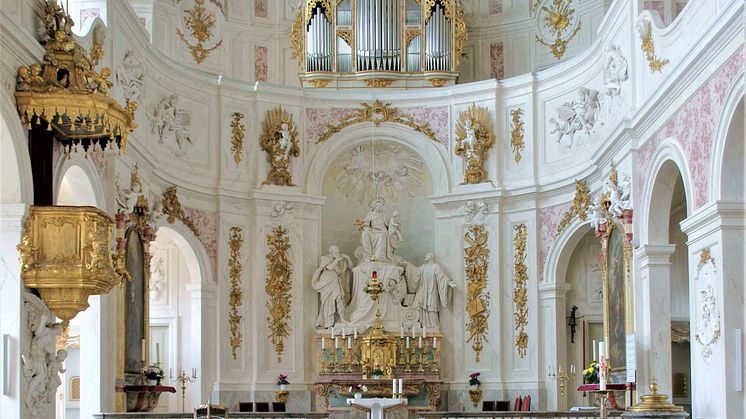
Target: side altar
x,y
378,322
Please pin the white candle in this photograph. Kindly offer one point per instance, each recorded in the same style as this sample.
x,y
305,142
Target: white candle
x,y
407,342
157,353
401,386
401,332
343,333
349,342
602,366
572,368
323,343
336,342
435,342
355,330
393,387
413,332
194,372
170,373
143,349
593,347
332,331
420,342
424,331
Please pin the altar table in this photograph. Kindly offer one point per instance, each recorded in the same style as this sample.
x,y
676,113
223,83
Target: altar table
x,y
376,406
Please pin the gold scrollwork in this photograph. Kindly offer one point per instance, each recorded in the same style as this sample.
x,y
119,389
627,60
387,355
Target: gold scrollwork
x,y
377,112
438,82
346,35
579,208
520,291
411,34
476,261
378,83
654,62
279,139
516,133
325,4
557,20
201,23
474,137
238,133
475,395
319,83
278,285
235,240
173,210
297,38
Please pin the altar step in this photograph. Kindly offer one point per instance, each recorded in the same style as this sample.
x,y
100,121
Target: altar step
x,y
524,415
190,415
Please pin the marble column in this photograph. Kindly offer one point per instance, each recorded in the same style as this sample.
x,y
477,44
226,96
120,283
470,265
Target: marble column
x,y
552,298
653,315
718,227
12,317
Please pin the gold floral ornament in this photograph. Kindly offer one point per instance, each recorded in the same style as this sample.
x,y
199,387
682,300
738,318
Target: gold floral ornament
x,y
235,240
476,261
238,133
278,285
173,210
645,30
520,290
66,95
516,133
580,205
201,24
474,137
279,139
557,20
377,112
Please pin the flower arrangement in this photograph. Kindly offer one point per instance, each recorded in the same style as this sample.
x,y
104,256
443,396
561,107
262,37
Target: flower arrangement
x,y
474,379
358,388
153,373
282,380
377,369
590,374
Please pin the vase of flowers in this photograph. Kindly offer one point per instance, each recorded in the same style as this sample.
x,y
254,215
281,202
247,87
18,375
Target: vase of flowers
x,y
377,371
282,382
153,375
474,380
357,390
590,374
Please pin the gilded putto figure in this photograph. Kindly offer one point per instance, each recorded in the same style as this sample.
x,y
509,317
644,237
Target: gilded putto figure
x,y
474,137
279,141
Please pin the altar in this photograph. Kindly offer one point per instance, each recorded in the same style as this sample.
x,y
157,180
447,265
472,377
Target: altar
x,y
375,406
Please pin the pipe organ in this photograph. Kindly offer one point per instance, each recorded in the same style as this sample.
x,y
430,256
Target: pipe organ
x,y
378,43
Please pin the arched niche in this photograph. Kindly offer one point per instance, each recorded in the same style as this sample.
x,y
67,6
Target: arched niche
x,y
15,170
727,177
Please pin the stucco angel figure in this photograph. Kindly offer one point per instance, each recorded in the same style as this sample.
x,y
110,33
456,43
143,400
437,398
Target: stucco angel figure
x,y
577,119
279,140
332,281
168,120
474,137
127,197
615,71
432,288
394,235
375,235
620,196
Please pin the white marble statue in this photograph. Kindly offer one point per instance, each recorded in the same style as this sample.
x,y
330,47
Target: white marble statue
x,y
285,142
332,281
374,237
394,235
615,71
432,288
471,137
131,77
127,197
576,120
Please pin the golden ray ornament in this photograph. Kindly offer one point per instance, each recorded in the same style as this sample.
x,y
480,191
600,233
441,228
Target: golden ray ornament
x,y
579,208
516,133
173,210
235,240
66,94
645,31
520,290
476,261
201,24
278,285
279,139
238,133
474,138
377,112
558,18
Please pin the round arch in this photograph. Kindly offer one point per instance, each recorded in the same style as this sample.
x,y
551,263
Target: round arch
x,y
433,155
76,182
729,128
17,184
667,163
190,244
558,257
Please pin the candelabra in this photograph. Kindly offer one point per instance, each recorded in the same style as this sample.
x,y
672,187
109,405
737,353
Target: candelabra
x,y
182,378
562,376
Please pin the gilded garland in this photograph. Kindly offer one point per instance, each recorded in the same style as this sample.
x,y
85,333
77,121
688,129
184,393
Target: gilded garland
x,y
235,240
238,133
520,291
377,112
201,24
557,20
645,30
474,137
516,133
279,139
476,261
173,210
580,205
278,286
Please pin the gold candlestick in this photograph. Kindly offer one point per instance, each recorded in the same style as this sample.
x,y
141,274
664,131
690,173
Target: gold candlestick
x,y
183,379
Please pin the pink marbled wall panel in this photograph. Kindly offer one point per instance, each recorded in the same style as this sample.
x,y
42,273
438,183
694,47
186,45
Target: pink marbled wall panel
x,y
260,8
260,63
693,126
318,118
88,14
549,219
656,6
678,7
496,7
497,61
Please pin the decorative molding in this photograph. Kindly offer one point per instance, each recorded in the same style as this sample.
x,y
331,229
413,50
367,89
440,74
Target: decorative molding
x,y
279,139
281,208
131,77
173,211
346,35
238,133
297,39
557,20
98,37
319,83
516,133
576,121
278,285
474,137
201,24
235,240
411,34
476,261
645,30
475,212
376,112
520,291
168,121
616,71
378,83
708,312
438,82
580,205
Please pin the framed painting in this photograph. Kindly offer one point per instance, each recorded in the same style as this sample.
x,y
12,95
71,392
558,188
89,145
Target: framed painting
x,y
615,263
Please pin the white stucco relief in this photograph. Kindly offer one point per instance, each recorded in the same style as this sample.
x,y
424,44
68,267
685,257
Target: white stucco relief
x,y
707,311
577,120
171,124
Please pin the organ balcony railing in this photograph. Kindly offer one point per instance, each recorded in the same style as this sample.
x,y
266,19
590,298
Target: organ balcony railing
x,y
378,43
